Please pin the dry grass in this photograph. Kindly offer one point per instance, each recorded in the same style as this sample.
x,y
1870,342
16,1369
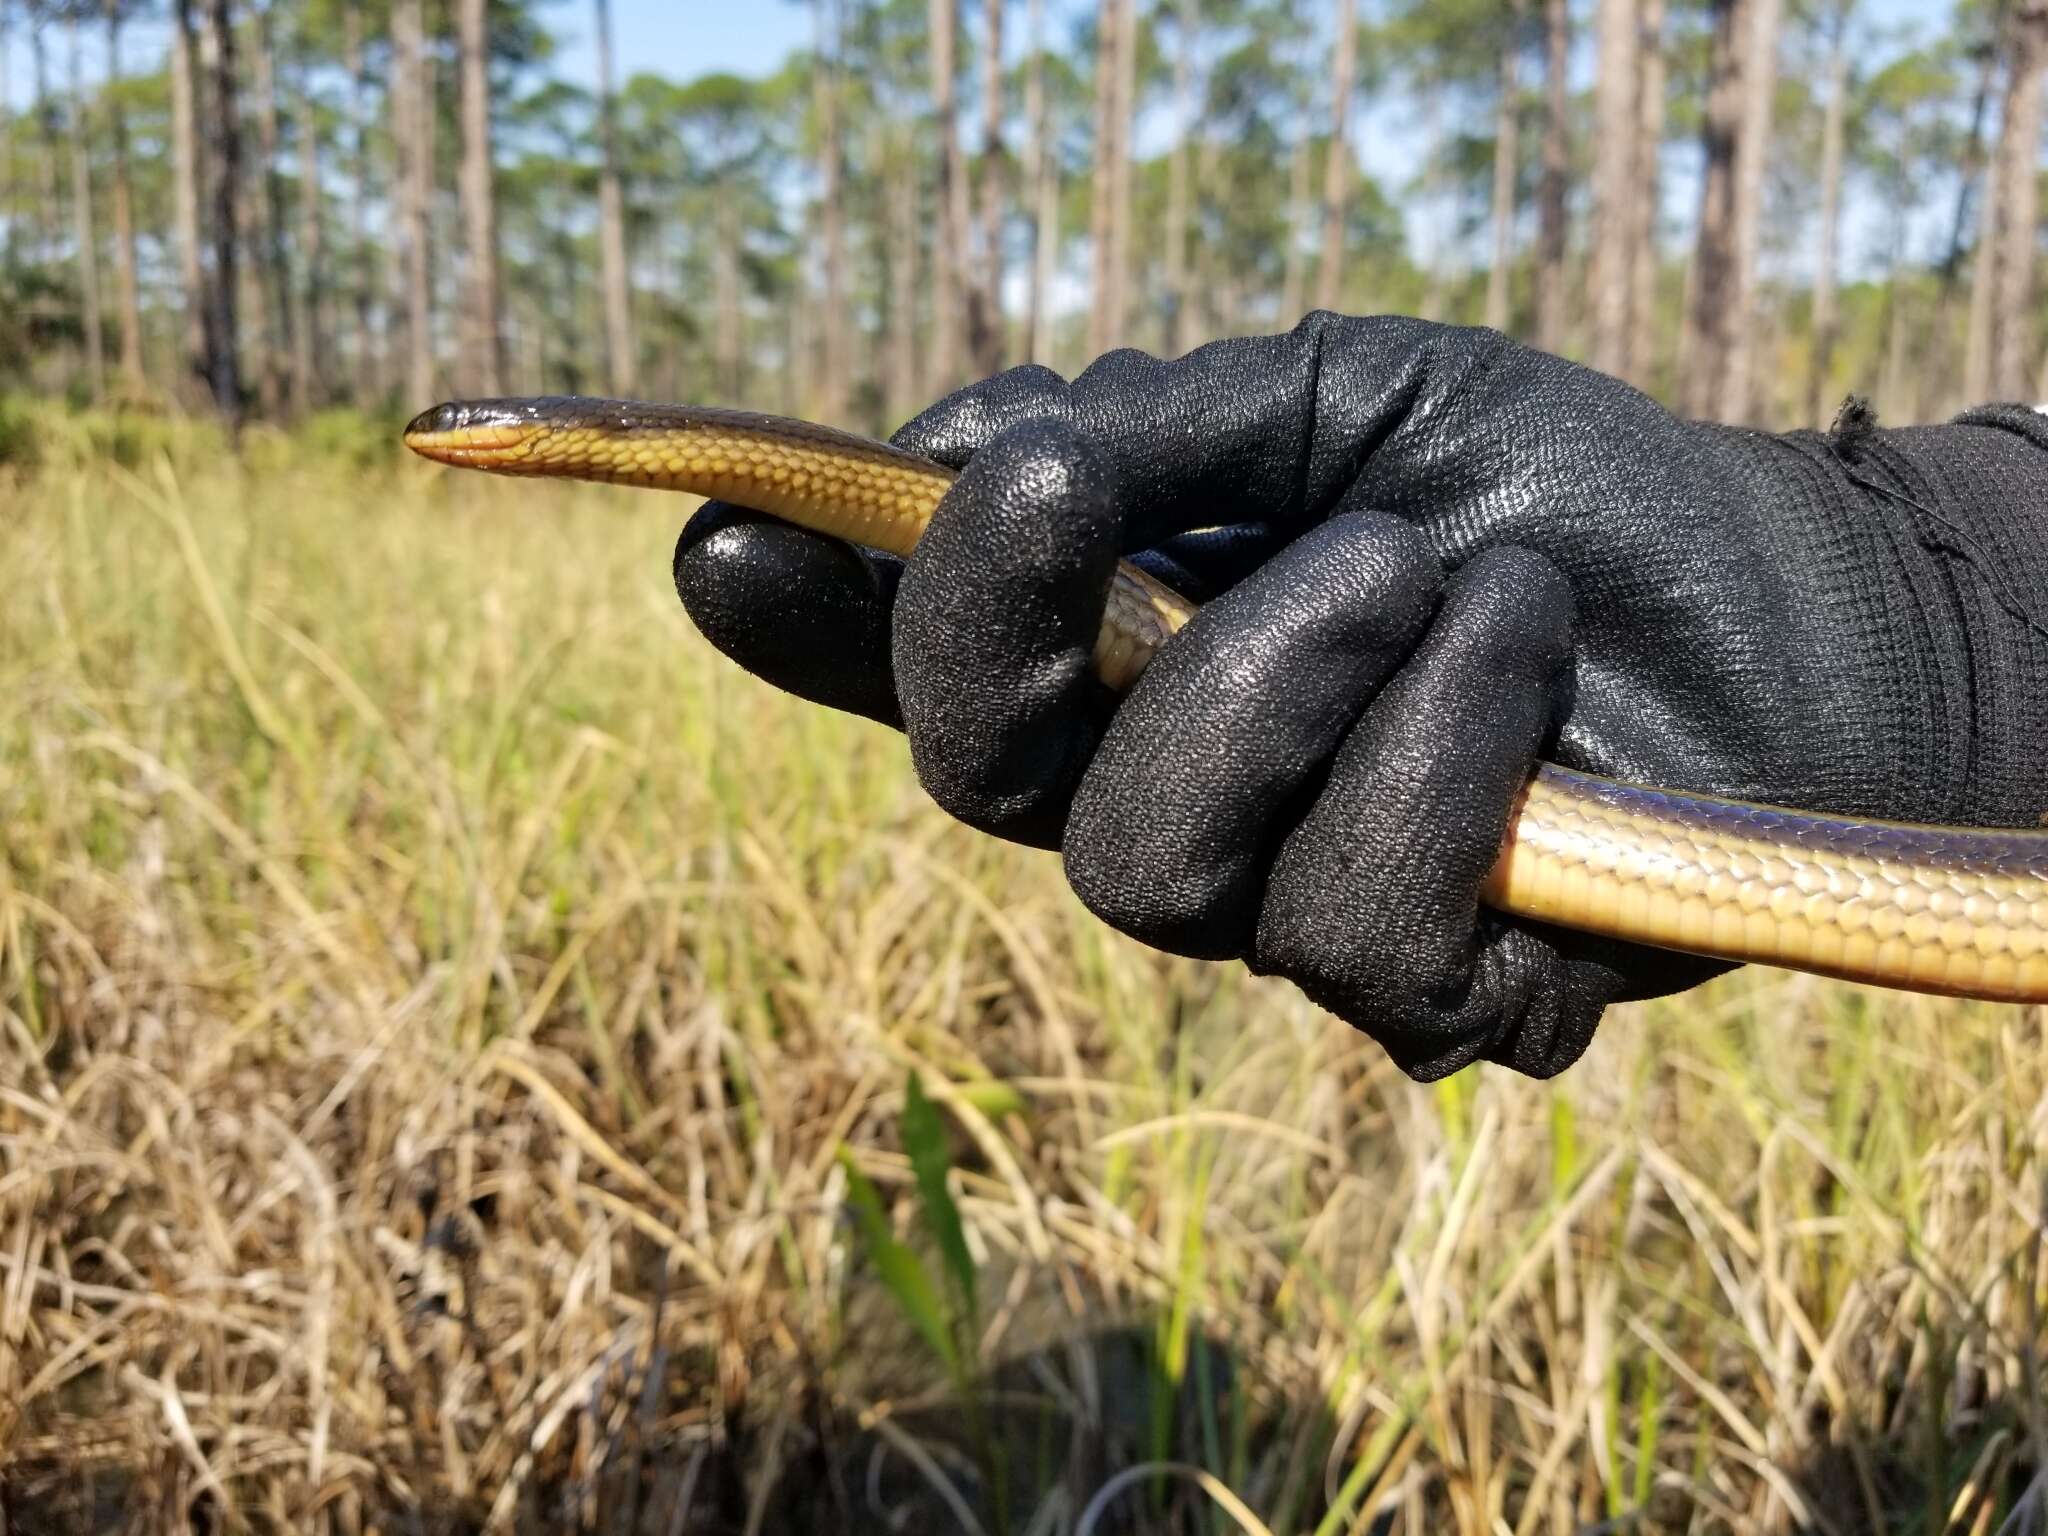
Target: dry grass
x,y
437,991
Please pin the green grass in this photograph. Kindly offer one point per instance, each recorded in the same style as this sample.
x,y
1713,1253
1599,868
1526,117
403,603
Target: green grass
x,y
451,1019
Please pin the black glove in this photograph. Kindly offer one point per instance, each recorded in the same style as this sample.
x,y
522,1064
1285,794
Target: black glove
x,y
1440,556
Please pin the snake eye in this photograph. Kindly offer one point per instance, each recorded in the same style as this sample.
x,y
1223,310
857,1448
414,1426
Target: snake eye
x,y
434,419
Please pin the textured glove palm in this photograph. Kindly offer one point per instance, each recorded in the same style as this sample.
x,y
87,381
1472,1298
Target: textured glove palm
x,y
1437,556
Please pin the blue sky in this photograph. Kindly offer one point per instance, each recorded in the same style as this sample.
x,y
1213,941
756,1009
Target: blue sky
x,y
753,36
684,37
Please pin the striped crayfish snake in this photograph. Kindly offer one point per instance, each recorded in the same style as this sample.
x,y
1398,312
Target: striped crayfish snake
x,y
1956,910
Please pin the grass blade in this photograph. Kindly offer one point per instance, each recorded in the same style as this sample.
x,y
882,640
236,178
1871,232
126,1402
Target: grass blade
x,y
903,1273
924,1138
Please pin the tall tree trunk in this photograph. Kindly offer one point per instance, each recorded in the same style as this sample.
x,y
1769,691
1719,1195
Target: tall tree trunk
x,y
1037,156
10,204
1043,344
483,313
902,387
1970,185
309,360
1439,259
1891,391
1709,312
1102,197
185,188
223,197
1125,112
830,88
1972,192
251,296
1825,259
1759,90
1111,212
986,341
725,281
43,113
412,122
1550,206
1337,159
363,274
1973,185
555,319
1208,282
1983,284
620,354
83,232
389,258
2018,223
1642,277
1507,153
1615,184
1984,263
274,291
428,169
1178,192
1294,264
128,296
797,350
1893,394
949,253
529,340
796,343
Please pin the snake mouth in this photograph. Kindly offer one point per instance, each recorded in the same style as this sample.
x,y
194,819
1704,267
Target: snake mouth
x,y
472,435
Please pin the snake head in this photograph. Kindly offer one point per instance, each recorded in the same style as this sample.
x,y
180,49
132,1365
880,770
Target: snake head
x,y
482,434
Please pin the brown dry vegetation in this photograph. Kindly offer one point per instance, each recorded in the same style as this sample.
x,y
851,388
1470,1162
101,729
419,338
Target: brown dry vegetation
x,y
437,991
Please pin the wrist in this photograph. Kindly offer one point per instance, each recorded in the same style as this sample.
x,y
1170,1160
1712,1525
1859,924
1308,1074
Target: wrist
x,y
1927,553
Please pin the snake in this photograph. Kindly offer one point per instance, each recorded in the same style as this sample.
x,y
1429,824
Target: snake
x,y
1949,910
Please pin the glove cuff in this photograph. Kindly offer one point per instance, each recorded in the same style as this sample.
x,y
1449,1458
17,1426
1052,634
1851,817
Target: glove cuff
x,y
1928,547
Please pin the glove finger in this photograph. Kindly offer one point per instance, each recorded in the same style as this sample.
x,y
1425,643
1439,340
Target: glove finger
x,y
953,429
1207,562
1373,901
1203,768
808,613
995,627
1249,429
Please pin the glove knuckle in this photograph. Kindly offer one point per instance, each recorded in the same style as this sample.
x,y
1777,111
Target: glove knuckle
x,y
1428,1035
987,760
1168,916
962,789
1357,956
1047,460
723,560
954,429
1147,876
1405,555
1384,566
707,548
987,790
1514,571
1508,610
1119,374
1292,940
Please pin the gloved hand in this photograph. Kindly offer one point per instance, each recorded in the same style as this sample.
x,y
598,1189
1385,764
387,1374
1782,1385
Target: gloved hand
x,y
1441,555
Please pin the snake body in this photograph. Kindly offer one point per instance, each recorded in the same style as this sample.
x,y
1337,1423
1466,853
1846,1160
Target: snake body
x,y
1954,910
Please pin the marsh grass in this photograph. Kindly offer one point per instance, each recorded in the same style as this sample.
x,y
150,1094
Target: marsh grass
x,y
458,1046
